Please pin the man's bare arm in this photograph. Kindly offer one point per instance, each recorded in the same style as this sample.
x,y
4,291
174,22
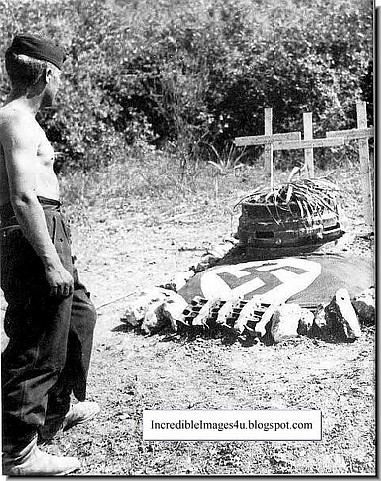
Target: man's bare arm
x,y
20,144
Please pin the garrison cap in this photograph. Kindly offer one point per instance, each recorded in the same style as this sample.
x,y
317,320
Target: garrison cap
x,y
39,48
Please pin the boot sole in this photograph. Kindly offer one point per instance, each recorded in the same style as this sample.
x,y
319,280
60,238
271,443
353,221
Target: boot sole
x,y
61,473
70,470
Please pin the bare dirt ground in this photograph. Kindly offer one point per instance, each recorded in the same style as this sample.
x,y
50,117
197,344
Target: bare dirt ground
x,y
127,248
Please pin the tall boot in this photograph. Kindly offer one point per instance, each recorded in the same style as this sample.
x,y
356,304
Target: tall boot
x,y
31,461
79,413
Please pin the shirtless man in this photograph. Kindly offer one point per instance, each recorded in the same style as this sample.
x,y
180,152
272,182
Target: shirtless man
x,y
49,318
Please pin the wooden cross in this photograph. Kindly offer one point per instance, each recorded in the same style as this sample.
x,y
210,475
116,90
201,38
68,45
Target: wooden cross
x,y
268,140
361,134
309,143
288,141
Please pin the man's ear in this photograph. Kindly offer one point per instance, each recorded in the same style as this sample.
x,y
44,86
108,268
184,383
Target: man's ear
x,y
43,79
49,75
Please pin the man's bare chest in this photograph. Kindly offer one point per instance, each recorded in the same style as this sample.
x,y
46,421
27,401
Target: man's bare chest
x,y
45,152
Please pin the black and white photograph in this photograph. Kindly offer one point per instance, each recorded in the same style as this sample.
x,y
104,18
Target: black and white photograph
x,y
187,226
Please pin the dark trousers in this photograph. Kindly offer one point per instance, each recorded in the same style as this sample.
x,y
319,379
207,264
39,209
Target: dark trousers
x,y
50,339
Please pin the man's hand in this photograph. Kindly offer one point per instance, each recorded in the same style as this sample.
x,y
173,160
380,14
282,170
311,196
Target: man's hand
x,y
61,282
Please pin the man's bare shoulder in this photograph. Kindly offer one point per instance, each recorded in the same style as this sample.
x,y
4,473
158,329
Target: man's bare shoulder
x,y
16,123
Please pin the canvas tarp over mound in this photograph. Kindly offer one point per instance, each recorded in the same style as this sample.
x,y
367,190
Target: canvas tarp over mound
x,y
306,280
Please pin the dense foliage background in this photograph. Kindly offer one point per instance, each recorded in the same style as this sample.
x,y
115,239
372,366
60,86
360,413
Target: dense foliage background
x,y
187,77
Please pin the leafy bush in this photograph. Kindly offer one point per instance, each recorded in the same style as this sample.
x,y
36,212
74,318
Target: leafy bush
x,y
183,75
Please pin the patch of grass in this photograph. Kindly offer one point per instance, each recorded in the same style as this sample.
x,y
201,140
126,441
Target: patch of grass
x,y
145,176
149,181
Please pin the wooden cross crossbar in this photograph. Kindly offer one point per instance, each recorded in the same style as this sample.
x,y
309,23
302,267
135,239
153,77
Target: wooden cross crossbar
x,y
265,139
309,144
352,134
